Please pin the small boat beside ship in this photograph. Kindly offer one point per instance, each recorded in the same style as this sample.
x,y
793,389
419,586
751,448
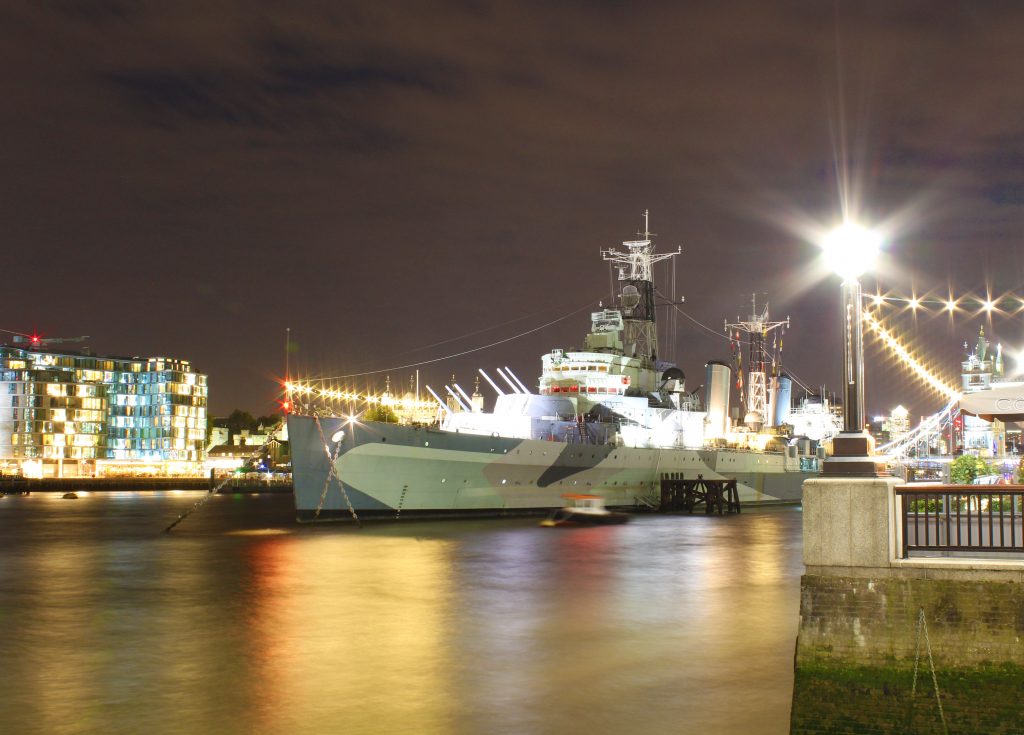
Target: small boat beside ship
x,y
584,510
608,420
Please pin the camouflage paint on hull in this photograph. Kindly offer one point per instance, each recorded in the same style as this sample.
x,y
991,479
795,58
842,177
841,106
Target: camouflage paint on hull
x,y
390,470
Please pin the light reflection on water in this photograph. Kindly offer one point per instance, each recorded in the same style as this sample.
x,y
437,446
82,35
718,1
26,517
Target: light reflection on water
x,y
242,621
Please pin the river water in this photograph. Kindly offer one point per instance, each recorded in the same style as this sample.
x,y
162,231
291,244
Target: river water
x,y
242,621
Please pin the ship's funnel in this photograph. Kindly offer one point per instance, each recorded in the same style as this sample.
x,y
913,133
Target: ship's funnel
x,y
630,298
716,387
783,400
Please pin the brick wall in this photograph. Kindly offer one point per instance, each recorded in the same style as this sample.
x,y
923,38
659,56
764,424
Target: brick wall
x,y
856,650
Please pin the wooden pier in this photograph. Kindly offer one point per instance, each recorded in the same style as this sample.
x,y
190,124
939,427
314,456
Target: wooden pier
x,y
679,494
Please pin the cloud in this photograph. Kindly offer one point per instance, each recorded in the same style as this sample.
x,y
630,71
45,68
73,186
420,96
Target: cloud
x,y
167,97
471,157
93,11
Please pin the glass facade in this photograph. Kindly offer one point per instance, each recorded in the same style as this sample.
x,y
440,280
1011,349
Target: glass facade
x,y
78,407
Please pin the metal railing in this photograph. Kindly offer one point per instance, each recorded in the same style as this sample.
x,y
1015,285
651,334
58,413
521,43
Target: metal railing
x,y
964,518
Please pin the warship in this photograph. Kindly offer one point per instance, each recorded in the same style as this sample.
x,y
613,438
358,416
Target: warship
x,y
609,420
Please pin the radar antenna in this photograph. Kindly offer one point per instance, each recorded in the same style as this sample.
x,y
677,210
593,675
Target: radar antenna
x,y
635,268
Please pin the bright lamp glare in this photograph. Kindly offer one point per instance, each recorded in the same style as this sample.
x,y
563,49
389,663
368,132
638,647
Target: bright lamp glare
x,y
914,303
988,306
879,300
850,250
951,305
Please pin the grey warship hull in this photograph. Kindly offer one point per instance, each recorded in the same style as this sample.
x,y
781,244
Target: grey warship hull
x,y
383,470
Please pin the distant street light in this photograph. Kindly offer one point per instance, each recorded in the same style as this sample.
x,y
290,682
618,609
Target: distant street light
x,y
850,250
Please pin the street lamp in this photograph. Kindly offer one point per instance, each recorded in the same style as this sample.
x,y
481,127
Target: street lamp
x,y
850,250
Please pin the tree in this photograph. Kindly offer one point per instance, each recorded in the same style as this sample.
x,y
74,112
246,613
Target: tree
x,y
1020,472
239,420
966,467
377,412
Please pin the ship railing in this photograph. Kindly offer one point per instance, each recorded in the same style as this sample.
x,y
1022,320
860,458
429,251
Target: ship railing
x,y
965,519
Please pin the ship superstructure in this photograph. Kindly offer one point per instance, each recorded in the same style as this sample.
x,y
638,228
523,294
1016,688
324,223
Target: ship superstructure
x,y
611,419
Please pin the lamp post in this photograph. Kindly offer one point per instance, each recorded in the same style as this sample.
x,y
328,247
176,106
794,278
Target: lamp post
x,y
850,250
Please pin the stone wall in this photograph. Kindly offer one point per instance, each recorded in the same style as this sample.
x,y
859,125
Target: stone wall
x,y
858,637
856,652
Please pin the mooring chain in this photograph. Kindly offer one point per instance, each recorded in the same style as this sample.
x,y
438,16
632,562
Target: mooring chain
x,y
330,461
214,490
922,625
332,472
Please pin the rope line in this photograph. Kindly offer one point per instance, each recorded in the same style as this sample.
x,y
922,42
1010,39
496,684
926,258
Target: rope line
x,y
464,352
475,332
699,324
922,625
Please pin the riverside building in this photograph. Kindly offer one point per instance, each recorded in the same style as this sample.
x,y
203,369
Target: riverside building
x,y
77,414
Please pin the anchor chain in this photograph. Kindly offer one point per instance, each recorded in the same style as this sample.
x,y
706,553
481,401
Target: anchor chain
x,y
214,490
332,472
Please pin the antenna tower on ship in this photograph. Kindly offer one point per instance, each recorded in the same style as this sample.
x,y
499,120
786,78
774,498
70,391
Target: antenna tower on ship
x,y
757,326
635,267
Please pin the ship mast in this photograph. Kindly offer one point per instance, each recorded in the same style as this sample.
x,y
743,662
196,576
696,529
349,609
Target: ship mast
x,y
635,267
757,326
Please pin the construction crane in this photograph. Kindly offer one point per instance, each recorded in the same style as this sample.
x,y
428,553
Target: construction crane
x,y
35,340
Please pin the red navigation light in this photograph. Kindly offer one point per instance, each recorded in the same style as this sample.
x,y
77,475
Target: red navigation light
x,y
286,406
35,339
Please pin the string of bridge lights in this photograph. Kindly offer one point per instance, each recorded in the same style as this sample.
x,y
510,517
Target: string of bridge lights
x,y
299,390
1005,304
295,390
897,348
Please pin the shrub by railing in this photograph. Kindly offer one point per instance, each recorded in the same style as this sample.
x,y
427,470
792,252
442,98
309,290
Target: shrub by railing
x,y
979,518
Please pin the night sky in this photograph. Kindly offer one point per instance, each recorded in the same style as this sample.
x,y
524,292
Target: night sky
x,y
397,182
